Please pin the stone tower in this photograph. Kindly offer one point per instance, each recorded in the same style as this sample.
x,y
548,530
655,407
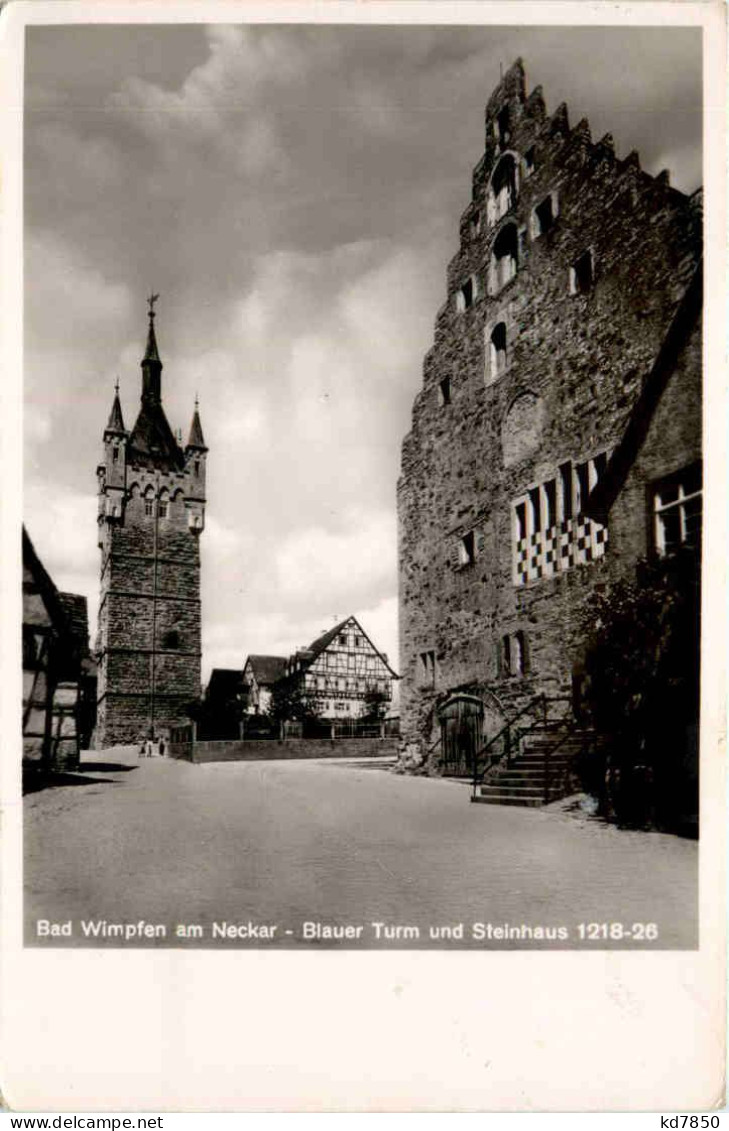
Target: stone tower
x,y
151,514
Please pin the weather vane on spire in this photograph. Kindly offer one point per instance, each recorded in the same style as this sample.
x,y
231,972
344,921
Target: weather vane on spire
x,y
152,300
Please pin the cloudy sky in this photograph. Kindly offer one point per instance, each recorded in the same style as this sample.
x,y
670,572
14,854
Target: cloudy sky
x,y
293,194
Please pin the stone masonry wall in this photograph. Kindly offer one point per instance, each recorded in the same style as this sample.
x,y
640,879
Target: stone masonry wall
x,y
268,750
149,616
673,442
490,426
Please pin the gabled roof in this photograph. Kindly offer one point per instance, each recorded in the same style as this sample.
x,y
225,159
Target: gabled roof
x,y
266,669
42,580
684,321
322,642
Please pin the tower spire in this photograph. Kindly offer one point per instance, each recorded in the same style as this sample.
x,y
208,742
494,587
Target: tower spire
x,y
116,420
151,364
196,440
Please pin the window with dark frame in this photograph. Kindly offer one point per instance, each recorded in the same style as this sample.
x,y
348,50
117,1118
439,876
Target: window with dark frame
x,y
582,274
444,392
677,511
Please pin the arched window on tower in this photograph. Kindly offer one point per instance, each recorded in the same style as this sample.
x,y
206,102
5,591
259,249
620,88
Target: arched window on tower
x,y
149,501
504,258
504,188
497,351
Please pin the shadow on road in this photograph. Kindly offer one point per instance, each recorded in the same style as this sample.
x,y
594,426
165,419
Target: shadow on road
x,y
35,781
369,764
105,767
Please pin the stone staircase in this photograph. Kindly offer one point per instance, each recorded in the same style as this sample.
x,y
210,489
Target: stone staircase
x,y
541,770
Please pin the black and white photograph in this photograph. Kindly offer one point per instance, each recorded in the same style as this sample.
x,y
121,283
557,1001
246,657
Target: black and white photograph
x,y
362,547
362,503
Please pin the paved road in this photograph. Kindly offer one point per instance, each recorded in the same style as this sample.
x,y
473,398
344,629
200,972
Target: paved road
x,y
281,844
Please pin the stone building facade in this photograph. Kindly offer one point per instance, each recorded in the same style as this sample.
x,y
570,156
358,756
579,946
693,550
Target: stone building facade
x,y
572,267
151,515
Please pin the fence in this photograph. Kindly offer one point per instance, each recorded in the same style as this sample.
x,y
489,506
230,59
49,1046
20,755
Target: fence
x,y
182,742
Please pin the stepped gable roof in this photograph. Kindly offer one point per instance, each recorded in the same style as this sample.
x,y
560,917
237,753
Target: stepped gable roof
x,y
267,669
116,420
152,442
684,320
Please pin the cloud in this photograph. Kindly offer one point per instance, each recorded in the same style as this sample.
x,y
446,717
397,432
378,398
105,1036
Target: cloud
x,y
293,192
326,567
62,527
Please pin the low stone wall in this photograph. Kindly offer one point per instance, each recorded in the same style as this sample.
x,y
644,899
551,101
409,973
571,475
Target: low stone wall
x,y
259,750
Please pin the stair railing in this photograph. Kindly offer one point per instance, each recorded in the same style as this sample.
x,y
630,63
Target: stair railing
x,y
588,740
539,702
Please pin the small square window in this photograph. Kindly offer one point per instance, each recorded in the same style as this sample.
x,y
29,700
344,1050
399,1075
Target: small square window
x,y
148,507
163,509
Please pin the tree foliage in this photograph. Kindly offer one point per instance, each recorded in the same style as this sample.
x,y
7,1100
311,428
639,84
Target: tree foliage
x,y
639,689
375,704
289,703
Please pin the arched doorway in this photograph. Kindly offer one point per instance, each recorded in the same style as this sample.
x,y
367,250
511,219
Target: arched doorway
x,y
467,722
461,728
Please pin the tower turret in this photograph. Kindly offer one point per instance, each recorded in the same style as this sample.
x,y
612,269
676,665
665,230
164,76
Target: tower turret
x,y
195,460
112,472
